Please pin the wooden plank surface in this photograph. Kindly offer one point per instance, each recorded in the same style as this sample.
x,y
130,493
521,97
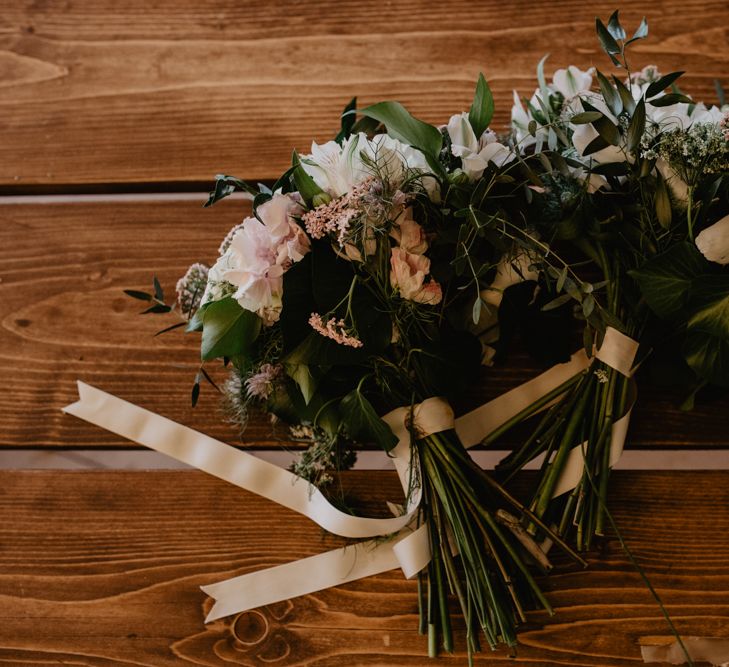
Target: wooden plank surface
x,y
64,317
103,568
103,92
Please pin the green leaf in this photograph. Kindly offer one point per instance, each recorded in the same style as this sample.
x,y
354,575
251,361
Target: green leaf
x,y
597,144
641,31
305,379
227,185
556,303
625,95
228,329
609,45
636,127
362,422
135,294
607,130
610,94
662,203
543,87
532,128
482,109
404,127
195,393
349,117
669,99
666,279
707,342
305,184
708,356
585,117
661,84
614,27
158,293
157,308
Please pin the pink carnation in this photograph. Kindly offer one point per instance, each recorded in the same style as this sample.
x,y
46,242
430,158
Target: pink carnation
x,y
260,252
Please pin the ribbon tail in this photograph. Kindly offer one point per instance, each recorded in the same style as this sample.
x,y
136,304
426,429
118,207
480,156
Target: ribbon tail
x,y
315,573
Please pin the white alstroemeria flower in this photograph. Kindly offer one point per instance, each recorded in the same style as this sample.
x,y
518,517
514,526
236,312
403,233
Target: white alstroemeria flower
x,y
337,169
397,161
572,81
713,242
334,168
583,134
520,119
258,255
475,152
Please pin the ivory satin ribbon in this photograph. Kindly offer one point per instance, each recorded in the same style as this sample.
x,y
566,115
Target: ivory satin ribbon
x,y
407,546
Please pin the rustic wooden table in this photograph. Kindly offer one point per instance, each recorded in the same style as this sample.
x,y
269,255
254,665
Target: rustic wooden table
x,y
103,567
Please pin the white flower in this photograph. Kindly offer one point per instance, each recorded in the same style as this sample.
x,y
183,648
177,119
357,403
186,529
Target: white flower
x,y
475,152
338,169
572,81
713,242
584,134
334,168
511,270
259,254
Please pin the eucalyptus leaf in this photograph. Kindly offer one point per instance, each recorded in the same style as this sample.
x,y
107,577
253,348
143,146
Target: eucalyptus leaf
x,y
597,144
670,98
228,329
609,45
625,95
585,117
610,94
362,422
135,294
614,27
636,127
662,203
661,84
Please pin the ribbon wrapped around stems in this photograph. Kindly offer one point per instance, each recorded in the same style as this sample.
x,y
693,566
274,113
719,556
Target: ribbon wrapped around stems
x,y
407,543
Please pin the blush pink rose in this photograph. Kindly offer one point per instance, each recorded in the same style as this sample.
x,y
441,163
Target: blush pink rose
x,y
407,275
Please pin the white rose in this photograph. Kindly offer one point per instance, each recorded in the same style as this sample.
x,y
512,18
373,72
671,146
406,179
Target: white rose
x,y
713,242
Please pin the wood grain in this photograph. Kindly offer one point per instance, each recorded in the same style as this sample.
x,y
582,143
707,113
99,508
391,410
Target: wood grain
x,y
102,92
63,317
103,568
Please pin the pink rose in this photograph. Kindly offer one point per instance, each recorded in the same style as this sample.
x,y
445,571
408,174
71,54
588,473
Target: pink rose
x,y
408,277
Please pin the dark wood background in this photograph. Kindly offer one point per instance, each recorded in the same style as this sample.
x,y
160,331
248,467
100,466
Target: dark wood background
x,y
101,97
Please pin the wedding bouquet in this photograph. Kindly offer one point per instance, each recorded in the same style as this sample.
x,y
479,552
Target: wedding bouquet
x,y
633,187
346,305
370,282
